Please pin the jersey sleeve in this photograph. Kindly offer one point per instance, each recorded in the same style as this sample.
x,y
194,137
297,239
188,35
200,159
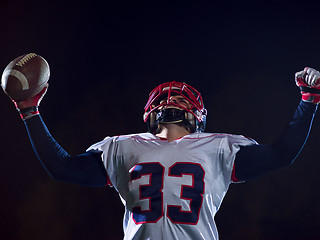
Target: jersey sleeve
x,y
108,147
230,146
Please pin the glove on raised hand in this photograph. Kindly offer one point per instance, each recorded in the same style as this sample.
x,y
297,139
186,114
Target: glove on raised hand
x,y
29,107
308,81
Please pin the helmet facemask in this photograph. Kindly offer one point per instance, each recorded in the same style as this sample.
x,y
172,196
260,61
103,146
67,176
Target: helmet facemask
x,y
158,111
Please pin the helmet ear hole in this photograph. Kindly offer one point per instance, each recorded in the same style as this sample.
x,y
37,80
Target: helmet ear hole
x,y
191,119
152,122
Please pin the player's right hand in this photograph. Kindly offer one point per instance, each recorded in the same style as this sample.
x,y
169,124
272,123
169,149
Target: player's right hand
x,y
29,107
308,81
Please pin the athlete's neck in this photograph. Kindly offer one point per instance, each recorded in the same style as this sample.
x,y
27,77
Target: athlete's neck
x,y
171,132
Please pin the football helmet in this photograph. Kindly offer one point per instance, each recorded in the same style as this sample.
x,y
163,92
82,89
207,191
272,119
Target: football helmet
x,y
160,109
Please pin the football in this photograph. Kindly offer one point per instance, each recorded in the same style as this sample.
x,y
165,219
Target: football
x,y
25,76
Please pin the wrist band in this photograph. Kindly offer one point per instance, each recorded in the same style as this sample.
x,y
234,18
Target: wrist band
x,y
29,112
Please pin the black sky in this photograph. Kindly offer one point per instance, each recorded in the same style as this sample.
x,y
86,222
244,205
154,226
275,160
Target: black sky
x,y
106,57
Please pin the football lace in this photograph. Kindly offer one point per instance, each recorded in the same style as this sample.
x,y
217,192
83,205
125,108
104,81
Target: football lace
x,y
25,59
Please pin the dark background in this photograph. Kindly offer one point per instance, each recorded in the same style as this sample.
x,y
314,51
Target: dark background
x,y
106,57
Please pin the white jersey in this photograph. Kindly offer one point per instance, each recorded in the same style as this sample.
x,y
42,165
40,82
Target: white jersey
x,y
170,190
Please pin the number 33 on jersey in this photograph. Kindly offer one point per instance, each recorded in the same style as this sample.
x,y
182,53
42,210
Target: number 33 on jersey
x,y
153,186
170,186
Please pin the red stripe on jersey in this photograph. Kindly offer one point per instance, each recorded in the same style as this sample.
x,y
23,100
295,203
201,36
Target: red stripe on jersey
x,y
109,182
233,175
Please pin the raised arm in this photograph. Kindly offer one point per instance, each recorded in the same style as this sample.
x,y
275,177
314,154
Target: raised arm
x,y
257,160
85,169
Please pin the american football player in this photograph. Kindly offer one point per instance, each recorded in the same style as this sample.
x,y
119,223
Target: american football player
x,y
173,178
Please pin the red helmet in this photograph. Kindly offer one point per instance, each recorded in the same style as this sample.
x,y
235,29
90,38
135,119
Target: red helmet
x,y
194,117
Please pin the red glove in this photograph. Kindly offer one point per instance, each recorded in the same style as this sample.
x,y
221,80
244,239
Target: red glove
x,y
29,107
308,81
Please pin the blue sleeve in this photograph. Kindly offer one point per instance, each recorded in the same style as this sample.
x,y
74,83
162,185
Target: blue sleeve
x,y
257,160
86,169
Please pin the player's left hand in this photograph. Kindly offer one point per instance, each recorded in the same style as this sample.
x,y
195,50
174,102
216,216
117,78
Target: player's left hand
x,y
308,81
